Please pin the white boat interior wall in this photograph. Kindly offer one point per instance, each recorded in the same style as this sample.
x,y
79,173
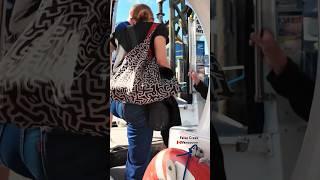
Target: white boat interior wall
x,y
203,12
307,166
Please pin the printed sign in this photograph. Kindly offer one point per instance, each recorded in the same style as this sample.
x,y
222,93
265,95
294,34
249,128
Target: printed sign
x,y
200,48
199,29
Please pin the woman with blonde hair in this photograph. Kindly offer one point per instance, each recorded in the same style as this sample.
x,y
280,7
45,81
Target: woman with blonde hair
x,y
146,39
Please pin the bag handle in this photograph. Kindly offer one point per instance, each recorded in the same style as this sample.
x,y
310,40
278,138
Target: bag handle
x,y
152,29
150,32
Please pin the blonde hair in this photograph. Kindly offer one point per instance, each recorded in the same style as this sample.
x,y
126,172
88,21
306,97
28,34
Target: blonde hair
x,y
141,13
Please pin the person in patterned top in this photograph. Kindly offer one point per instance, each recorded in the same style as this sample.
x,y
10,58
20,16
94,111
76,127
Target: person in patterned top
x,y
139,134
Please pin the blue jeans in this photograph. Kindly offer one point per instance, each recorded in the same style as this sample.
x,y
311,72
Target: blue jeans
x,y
53,155
116,108
20,150
139,139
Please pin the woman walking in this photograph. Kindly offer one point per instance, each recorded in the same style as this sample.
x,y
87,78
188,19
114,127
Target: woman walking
x,y
135,40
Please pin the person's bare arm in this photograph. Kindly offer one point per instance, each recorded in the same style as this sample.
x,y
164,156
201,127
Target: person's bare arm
x,y
286,77
160,51
198,84
274,55
194,77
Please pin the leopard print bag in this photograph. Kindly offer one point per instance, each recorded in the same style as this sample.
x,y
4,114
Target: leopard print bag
x,y
137,80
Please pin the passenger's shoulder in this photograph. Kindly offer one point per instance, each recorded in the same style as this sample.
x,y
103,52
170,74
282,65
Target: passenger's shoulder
x,y
162,27
162,30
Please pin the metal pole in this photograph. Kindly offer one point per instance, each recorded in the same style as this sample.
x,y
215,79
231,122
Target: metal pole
x,y
185,35
113,12
258,55
191,55
172,36
179,26
1,26
160,14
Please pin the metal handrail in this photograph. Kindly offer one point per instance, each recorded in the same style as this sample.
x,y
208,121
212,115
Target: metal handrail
x,y
258,55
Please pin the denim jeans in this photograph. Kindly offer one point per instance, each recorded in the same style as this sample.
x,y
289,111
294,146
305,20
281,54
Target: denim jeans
x,y
56,155
20,151
139,139
116,108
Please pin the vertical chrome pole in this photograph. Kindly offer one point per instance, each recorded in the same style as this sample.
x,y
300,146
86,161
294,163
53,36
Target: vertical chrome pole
x,y
318,30
172,36
1,26
191,54
258,55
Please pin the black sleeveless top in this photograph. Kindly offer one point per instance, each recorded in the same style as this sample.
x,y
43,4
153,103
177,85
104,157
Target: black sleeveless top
x,y
140,31
126,39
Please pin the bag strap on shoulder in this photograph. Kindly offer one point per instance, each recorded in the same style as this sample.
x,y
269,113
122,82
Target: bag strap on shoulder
x,y
150,32
152,29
